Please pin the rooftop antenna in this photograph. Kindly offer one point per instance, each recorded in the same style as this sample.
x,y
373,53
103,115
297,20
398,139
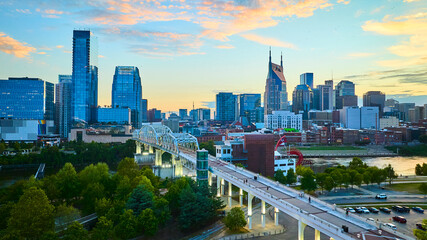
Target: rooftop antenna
x,y
281,60
270,55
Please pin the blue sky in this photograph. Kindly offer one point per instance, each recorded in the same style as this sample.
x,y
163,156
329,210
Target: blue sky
x,y
190,50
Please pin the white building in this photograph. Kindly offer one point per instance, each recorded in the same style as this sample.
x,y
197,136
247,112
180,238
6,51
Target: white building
x,y
389,121
283,162
283,119
360,118
25,130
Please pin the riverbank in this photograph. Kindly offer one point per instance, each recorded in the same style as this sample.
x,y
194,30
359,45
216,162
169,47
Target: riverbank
x,y
417,150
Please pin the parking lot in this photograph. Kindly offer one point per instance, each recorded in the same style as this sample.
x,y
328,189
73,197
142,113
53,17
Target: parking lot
x,y
412,218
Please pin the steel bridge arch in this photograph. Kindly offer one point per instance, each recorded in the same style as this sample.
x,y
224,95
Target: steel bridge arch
x,y
163,137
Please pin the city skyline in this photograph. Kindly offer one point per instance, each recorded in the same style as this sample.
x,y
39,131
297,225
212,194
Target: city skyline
x,y
381,46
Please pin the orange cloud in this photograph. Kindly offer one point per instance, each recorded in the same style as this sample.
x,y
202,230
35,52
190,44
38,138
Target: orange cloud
x,y
359,54
268,41
226,46
14,47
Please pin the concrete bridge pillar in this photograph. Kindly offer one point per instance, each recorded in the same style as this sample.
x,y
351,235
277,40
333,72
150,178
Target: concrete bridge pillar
x,y
177,163
230,194
316,234
218,186
331,238
263,213
209,178
222,187
158,159
241,197
301,228
276,216
138,147
250,198
150,149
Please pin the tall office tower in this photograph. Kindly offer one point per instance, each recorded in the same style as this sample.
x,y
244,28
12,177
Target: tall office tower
x,y
302,100
182,113
248,104
325,96
63,105
275,95
154,115
307,78
26,98
84,99
344,94
127,92
374,99
144,110
404,110
226,107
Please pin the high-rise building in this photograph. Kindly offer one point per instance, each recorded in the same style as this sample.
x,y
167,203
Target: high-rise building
x,y
154,115
63,105
374,99
307,78
404,110
144,110
115,115
84,101
345,94
183,113
360,118
226,107
248,105
127,92
325,97
302,99
200,114
275,95
26,98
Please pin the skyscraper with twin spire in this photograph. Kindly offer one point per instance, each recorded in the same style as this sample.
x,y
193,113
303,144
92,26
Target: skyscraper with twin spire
x,y
275,95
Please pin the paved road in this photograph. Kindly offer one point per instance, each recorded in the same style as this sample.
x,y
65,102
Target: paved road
x,y
280,192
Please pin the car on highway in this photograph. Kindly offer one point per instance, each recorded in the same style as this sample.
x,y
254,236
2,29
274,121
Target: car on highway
x,y
391,226
385,210
420,226
373,210
349,209
364,210
381,196
399,219
418,209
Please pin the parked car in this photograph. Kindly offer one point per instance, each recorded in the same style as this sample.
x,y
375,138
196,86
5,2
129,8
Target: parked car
x,y
381,196
373,210
391,226
406,209
358,210
418,209
399,219
385,210
398,208
364,210
420,226
370,220
349,209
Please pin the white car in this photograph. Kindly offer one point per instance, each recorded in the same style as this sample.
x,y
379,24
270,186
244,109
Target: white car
x,y
364,210
391,226
350,210
381,196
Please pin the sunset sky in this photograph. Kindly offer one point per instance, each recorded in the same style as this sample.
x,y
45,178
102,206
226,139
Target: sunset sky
x,y
188,50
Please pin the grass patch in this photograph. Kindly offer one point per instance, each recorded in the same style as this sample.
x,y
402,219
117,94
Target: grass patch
x,y
329,148
405,187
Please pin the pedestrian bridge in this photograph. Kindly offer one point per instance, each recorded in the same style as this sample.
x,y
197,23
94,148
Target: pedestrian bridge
x,y
309,211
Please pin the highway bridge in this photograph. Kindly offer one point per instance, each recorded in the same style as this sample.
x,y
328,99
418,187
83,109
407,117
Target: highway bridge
x,y
309,211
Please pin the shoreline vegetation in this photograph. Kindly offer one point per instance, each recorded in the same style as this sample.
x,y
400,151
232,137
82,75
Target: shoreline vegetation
x,y
409,151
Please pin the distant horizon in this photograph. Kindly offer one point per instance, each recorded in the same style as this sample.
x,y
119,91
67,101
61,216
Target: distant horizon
x,y
189,50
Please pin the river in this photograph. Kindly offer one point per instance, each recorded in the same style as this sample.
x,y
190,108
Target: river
x,y
402,165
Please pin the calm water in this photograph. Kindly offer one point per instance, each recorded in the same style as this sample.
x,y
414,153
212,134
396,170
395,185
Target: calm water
x,y
402,165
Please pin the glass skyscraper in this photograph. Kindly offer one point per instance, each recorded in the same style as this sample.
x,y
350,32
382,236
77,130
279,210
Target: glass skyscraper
x,y
84,78
302,100
275,95
127,92
63,105
344,94
26,98
226,107
307,78
249,107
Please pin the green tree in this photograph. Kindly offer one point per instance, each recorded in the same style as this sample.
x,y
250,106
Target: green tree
x,y
346,178
155,180
2,147
329,183
357,163
423,188
5,210
320,180
308,180
32,215
148,222
174,191
210,146
390,173
66,214
129,168
17,146
127,226
367,177
418,170
423,138
291,178
140,199
67,183
90,194
124,188
102,206
161,210
421,234
103,229
280,177
75,231
235,219
337,177
358,179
